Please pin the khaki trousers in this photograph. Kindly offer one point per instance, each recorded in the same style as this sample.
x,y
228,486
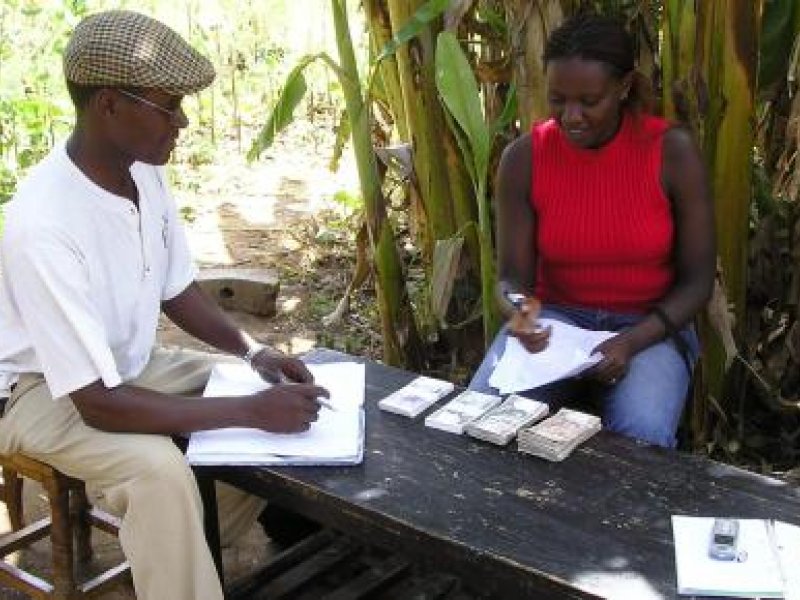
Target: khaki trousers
x,y
144,479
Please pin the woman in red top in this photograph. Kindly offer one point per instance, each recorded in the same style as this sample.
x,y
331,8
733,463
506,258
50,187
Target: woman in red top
x,y
604,215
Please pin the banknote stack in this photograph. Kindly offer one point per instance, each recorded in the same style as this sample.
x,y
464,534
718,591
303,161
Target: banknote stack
x,y
414,398
556,437
502,423
461,410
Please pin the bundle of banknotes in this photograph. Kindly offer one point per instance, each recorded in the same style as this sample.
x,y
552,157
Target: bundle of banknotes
x,y
555,438
415,397
461,410
501,424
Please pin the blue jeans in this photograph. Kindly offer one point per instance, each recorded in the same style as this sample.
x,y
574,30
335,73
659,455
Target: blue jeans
x,y
646,404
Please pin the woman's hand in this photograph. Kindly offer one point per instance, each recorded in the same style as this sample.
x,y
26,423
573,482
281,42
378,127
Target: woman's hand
x,y
617,354
275,367
523,325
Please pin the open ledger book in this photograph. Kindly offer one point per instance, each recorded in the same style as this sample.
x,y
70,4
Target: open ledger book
x,y
768,567
568,353
336,438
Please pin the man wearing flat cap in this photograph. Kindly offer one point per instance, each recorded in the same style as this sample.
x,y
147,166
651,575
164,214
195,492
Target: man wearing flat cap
x,y
92,252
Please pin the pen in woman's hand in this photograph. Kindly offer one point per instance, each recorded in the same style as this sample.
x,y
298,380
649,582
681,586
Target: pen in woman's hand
x,y
516,300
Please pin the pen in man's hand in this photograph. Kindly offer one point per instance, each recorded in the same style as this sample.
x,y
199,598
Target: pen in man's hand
x,y
325,403
281,378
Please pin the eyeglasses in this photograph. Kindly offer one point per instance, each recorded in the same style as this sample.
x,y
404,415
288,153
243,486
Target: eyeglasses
x,y
175,115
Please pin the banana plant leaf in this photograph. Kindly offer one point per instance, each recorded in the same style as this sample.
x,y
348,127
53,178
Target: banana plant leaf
x,y
778,31
283,113
459,91
446,259
463,146
509,111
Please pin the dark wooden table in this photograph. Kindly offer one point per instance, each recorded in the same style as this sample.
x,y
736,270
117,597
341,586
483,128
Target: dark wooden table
x,y
515,526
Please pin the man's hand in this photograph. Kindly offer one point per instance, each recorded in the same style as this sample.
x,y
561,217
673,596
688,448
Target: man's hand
x,y
613,366
275,367
287,408
524,326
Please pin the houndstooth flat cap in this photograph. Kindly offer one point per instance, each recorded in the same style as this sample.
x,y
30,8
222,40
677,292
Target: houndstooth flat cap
x,y
121,48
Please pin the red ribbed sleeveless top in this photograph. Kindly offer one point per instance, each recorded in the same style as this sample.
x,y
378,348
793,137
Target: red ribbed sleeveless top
x,y
604,224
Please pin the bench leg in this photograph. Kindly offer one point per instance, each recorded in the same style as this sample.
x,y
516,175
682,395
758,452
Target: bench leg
x,y
208,495
82,528
12,483
61,539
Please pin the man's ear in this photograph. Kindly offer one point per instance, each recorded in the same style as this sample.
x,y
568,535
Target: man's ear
x,y
104,103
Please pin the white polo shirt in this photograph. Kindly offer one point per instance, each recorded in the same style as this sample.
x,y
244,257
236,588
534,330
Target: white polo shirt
x,y
84,274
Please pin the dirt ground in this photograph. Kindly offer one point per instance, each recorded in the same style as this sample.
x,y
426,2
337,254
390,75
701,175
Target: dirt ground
x,y
278,214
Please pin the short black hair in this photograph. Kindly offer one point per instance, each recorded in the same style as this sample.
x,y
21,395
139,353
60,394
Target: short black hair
x,y
81,94
591,36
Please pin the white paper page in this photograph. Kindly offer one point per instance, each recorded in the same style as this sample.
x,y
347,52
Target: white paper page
x,y
261,458
344,381
567,354
337,434
787,541
699,574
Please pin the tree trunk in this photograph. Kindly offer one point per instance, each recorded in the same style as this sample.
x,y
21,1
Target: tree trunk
x,y
442,182
529,23
401,343
380,31
425,122
443,185
709,66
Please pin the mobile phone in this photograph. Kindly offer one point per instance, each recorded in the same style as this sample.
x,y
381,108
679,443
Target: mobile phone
x,y
724,539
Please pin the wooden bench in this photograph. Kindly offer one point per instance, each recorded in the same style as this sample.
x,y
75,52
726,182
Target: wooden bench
x,y
510,525
332,566
71,518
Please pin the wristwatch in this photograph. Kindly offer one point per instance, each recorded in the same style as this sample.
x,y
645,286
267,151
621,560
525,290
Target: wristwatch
x,y
252,351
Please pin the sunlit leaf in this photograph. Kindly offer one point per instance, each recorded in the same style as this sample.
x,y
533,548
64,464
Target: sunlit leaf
x,y
348,200
459,91
283,113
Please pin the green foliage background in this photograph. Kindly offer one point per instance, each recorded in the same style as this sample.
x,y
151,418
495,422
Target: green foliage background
x,y
252,43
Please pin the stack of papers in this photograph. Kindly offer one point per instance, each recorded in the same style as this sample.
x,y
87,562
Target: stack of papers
x,y
336,438
416,397
460,411
769,550
501,424
555,438
568,353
